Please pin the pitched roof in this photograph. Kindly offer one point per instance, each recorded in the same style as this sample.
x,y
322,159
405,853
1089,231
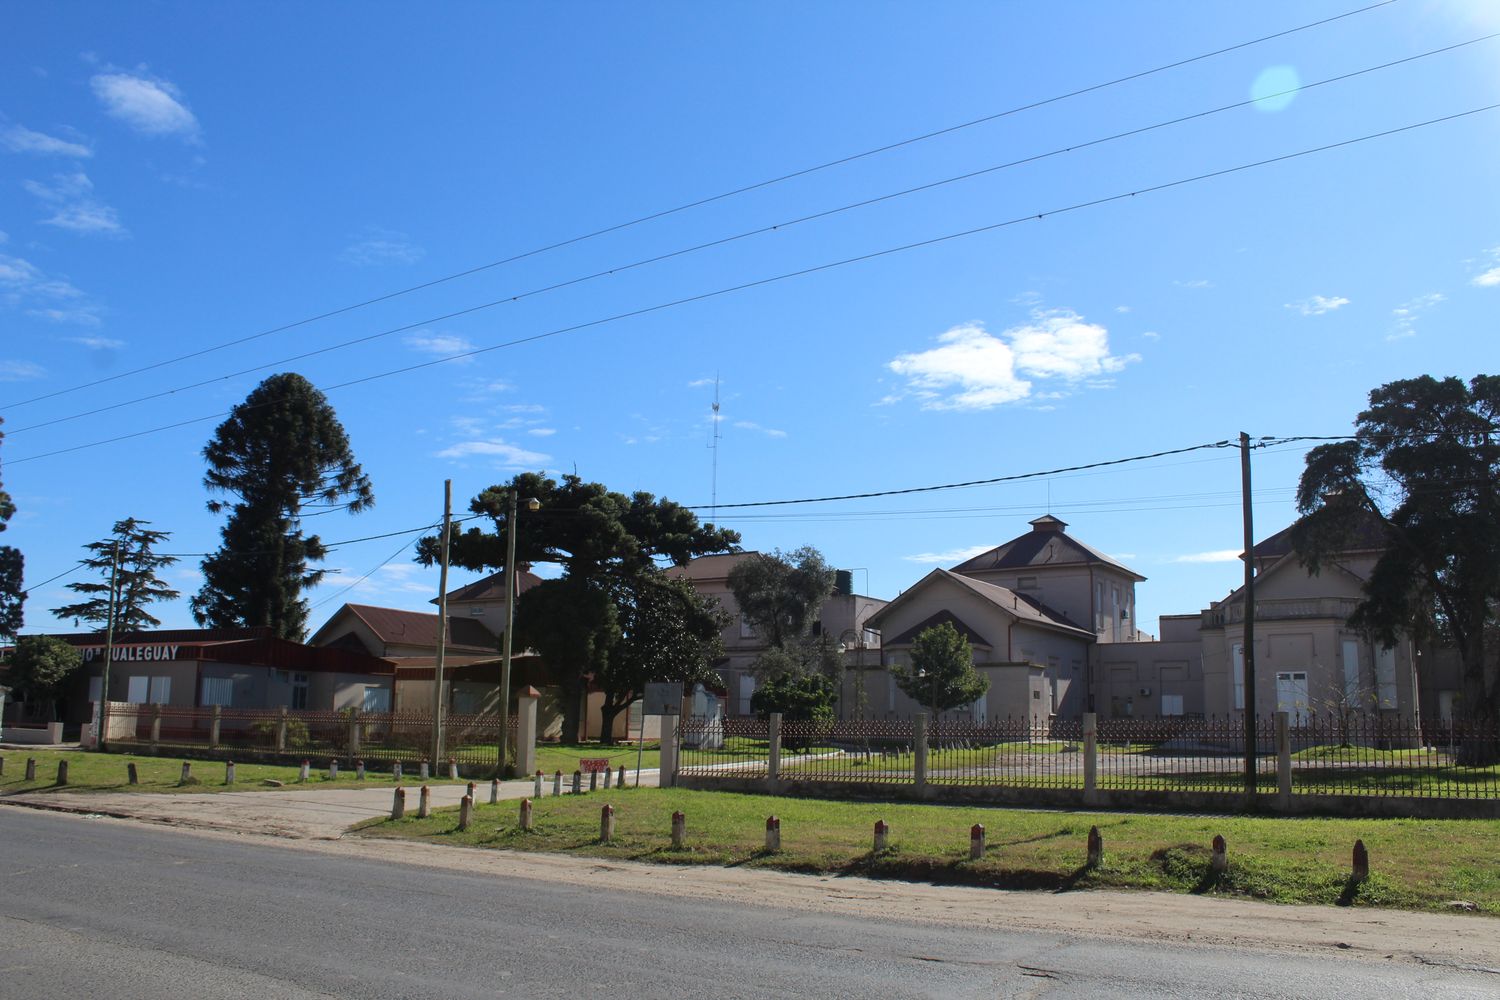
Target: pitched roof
x,y
907,637
1367,534
492,587
1046,544
418,628
1022,607
715,567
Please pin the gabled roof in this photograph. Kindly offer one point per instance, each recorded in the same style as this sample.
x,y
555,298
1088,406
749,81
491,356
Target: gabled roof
x,y
1019,606
492,587
1367,534
910,635
418,628
715,567
1046,544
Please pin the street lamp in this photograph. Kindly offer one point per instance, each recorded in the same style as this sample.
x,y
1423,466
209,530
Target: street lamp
x,y
533,505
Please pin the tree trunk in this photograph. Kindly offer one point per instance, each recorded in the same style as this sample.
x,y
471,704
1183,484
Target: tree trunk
x,y
572,711
1480,746
608,712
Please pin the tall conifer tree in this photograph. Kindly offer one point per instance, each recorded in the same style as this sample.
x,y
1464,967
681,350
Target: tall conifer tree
x,y
11,567
136,582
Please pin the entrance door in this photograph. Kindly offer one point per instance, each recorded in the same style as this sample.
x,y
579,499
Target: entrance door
x,y
1291,695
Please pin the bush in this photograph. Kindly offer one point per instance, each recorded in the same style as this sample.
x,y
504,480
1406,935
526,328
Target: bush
x,y
296,732
798,697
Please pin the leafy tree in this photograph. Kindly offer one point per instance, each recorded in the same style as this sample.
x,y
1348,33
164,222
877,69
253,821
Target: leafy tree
x,y
942,674
39,667
12,565
799,697
668,632
281,452
136,582
606,543
1424,466
782,594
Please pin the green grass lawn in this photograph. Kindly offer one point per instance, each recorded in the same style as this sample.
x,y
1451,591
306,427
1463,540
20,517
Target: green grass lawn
x,y
106,772
564,757
1415,864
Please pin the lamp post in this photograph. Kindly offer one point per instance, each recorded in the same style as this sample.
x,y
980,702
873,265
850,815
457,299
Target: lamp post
x,y
858,646
532,505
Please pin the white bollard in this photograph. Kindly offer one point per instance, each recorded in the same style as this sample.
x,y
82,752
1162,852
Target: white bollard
x,y
359,770
423,771
452,769
495,790
557,783
333,770
398,804
608,778
396,772
526,815
229,773
679,830
305,774
424,803
536,793
882,835
976,842
606,824
773,833
465,811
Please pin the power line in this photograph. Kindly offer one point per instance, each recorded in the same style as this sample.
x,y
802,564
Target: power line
x,y
802,272
746,234
664,213
51,579
322,601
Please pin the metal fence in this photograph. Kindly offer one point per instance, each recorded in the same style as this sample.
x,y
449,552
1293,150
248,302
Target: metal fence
x,y
283,734
1296,755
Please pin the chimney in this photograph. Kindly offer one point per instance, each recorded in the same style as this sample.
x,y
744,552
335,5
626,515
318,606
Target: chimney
x,y
1049,523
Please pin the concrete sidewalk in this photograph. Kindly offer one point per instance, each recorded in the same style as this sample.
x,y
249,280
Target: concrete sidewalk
x,y
304,814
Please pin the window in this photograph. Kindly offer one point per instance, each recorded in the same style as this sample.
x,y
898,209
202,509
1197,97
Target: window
x,y
476,611
747,630
1171,704
299,691
161,690
1385,676
1238,670
1098,606
1026,583
871,639
95,685
377,699
747,690
218,691
1351,673
139,690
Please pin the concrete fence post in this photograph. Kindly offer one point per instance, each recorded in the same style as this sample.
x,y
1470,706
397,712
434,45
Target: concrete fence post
x,y
593,781
62,772
213,727
398,804
1090,758
976,842
773,738
356,725
882,835
919,750
667,776
465,811
557,783
1095,848
31,768
536,791
155,727
773,833
229,772
606,824
281,720
1220,858
526,731
609,778
424,802
679,830
577,782
131,774
1283,760
526,821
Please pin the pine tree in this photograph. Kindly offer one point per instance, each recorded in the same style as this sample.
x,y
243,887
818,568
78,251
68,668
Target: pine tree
x,y
281,451
11,567
136,582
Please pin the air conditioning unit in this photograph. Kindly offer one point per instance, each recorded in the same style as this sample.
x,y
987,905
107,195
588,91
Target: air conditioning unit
x,y
1145,692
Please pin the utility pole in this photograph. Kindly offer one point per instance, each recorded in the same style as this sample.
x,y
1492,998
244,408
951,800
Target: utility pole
x,y
1249,653
510,621
109,645
442,636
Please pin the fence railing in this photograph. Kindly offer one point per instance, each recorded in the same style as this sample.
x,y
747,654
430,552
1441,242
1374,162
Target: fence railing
x,y
1297,755
374,737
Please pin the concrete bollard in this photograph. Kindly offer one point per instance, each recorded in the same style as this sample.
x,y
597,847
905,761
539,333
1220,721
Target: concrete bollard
x,y
465,811
396,772
606,824
621,782
187,772
536,792
333,770
422,771
593,781
976,842
131,774
526,815
305,774
30,768
229,772
424,803
557,783
882,835
577,782
452,769
62,772
359,770
398,803
495,790
679,830
773,833
609,777
1361,861
1096,848
1220,859
472,789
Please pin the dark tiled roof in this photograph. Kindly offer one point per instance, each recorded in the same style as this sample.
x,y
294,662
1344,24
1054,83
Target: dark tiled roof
x,y
492,587
1023,606
1047,544
418,628
907,637
1368,534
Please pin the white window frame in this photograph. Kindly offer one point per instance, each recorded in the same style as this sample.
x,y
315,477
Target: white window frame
x,y
218,691
1237,674
1385,676
1171,705
138,690
1350,652
161,691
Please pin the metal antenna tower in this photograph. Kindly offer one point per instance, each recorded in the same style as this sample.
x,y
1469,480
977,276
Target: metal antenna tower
x,y
713,444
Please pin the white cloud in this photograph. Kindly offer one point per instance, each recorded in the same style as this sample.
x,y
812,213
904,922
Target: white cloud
x,y
1407,314
699,383
74,206
767,431
79,315
150,106
508,454
23,284
1216,556
381,246
1195,283
1489,278
20,371
99,343
1122,309
951,556
542,431
973,369
1151,335
1317,305
20,139
438,343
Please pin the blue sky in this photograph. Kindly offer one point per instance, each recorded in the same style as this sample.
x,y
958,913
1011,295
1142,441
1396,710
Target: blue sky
x,y
177,176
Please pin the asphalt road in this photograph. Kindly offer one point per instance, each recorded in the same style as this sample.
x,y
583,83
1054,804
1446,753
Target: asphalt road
x,y
97,908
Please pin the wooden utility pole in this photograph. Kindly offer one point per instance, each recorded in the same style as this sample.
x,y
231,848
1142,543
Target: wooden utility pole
x,y
109,645
510,621
1249,648
442,636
